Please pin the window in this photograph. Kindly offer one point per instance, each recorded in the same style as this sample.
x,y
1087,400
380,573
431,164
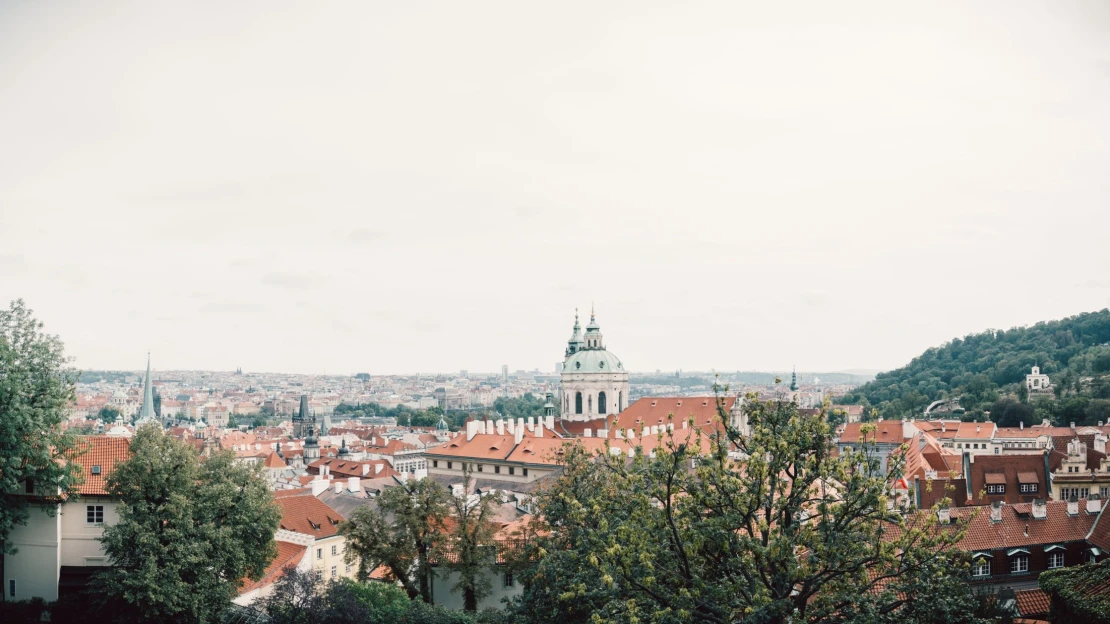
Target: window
x,y
525,471
11,588
507,581
497,470
319,575
1028,488
333,572
512,470
348,568
577,402
1102,491
1019,564
449,466
981,567
479,467
435,463
333,548
601,403
29,486
319,553
94,514
1055,560
996,489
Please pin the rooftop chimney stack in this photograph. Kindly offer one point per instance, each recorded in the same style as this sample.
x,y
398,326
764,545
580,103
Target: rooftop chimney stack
x,y
996,511
353,484
1073,506
1040,509
1094,504
587,433
338,487
944,515
378,468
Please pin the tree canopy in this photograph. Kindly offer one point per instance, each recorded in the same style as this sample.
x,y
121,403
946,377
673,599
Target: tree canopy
x,y
979,368
188,533
782,528
36,387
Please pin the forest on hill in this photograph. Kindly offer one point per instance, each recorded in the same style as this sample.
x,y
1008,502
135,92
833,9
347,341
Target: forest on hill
x,y
986,372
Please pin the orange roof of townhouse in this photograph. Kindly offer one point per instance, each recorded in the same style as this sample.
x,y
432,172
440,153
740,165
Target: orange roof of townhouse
x,y
975,430
1033,602
303,491
1019,432
308,515
481,446
288,556
1018,527
549,450
655,411
273,461
98,456
885,432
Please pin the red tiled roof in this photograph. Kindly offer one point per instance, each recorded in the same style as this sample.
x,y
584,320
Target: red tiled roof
x,y
1033,602
654,411
308,515
1021,529
1005,470
885,432
273,461
288,556
99,453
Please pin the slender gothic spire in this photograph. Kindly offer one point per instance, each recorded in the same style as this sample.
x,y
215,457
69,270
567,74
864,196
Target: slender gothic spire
x,y
146,414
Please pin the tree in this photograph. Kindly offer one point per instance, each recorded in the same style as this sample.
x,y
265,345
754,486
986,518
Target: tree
x,y
108,414
296,599
469,548
399,533
1007,412
36,386
188,532
791,531
1023,393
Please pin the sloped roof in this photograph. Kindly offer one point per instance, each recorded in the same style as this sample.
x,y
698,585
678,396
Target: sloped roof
x,y
1033,602
273,461
289,555
885,432
100,453
308,515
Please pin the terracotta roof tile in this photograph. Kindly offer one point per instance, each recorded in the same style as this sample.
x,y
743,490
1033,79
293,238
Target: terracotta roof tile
x,y
288,556
308,515
1033,602
98,457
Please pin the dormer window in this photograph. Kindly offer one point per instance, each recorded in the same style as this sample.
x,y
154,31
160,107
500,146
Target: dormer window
x,y
996,489
96,470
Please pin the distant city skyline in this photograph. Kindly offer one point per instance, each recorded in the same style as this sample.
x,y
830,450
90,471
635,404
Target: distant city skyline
x,y
436,187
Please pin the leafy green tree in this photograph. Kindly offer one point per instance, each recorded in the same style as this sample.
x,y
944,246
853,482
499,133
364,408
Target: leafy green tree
x,y
108,414
1023,393
469,548
188,532
782,530
400,533
1008,412
36,386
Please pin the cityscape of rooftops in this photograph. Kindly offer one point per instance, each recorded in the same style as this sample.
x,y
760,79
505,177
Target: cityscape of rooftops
x,y
524,313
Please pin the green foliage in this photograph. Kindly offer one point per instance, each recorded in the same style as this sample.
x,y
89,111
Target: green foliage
x,y
979,366
406,416
108,414
298,599
188,532
400,533
36,386
1008,412
469,547
525,406
1078,593
792,532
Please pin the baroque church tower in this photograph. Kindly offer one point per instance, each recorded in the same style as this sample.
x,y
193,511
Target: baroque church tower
x,y
594,383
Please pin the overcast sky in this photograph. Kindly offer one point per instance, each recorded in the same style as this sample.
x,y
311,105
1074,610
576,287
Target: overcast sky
x,y
418,187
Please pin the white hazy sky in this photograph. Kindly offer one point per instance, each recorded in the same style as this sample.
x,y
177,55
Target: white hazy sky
x,y
430,186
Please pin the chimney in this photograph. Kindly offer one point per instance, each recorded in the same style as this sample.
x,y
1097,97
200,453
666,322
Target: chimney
x,y
685,424
1094,504
352,484
944,515
531,423
318,486
1040,509
587,433
1073,506
500,426
539,428
550,422
1100,443
996,511
614,451
631,433
509,427
338,487
1021,424
619,434
603,433
365,469
1026,531
519,426
378,468
1073,425
518,434
977,427
631,453
471,430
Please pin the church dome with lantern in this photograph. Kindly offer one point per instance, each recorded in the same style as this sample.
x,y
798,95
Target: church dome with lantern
x,y
593,382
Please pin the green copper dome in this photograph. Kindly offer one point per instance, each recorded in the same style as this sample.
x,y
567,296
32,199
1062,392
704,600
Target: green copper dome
x,y
593,361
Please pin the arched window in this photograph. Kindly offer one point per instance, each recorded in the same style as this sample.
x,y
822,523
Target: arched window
x,y
577,402
590,402
620,401
601,403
